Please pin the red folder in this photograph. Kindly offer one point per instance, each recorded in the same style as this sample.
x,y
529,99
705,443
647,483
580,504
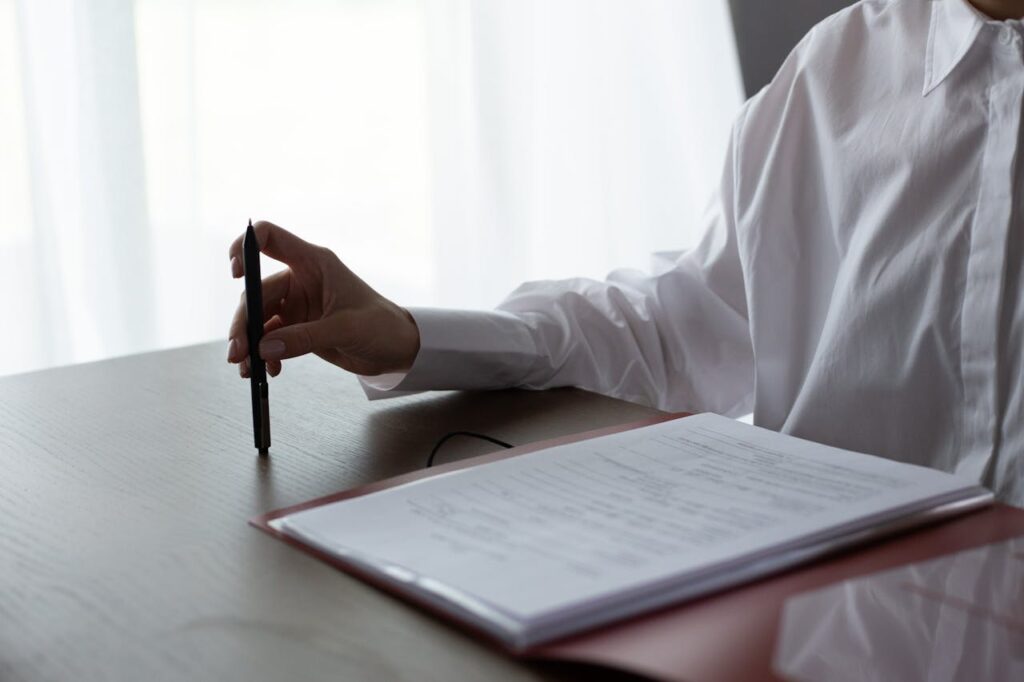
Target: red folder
x,y
726,636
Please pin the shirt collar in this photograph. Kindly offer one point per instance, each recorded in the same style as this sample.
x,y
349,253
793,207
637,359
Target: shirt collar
x,y
954,27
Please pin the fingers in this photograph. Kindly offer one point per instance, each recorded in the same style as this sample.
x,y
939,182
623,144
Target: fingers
x,y
238,342
296,339
273,366
276,242
275,288
274,323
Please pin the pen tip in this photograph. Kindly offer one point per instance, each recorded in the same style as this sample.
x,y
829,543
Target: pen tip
x,y
264,452
250,222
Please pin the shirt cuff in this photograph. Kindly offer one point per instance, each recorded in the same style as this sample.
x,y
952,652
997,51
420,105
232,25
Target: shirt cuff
x,y
461,350
384,386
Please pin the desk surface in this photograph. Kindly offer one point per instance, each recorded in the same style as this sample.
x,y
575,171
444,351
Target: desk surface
x,y
125,490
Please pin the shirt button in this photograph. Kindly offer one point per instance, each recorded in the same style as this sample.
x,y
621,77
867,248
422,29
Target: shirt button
x,y
1006,35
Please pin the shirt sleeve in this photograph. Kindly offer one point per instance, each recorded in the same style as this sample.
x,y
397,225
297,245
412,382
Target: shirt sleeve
x,y
462,349
678,340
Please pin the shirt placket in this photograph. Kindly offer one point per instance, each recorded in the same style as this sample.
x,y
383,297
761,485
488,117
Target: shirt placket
x,y
986,265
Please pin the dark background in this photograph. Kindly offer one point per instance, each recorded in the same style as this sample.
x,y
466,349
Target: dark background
x,y
766,30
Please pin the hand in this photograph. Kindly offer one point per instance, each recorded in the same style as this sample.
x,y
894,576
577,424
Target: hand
x,y
317,305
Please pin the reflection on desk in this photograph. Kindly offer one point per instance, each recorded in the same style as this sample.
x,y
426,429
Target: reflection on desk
x,y
959,617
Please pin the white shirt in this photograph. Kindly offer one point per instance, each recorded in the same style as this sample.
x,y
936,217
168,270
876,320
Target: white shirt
x,y
859,283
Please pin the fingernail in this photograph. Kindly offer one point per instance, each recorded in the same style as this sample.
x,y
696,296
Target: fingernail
x,y
232,348
271,349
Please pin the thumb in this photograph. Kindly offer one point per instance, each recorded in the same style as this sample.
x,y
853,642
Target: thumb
x,y
295,340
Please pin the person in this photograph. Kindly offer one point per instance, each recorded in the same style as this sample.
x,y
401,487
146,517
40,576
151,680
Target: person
x,y
859,282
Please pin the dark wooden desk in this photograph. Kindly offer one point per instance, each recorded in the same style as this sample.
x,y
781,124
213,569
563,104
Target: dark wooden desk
x,y
125,487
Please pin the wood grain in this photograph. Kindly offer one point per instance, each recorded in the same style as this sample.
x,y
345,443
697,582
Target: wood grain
x,y
125,489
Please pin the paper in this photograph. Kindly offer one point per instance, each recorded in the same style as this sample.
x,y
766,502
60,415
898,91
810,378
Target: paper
x,y
561,527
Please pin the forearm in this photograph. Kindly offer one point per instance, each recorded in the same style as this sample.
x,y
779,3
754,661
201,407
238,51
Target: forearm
x,y
668,341
619,337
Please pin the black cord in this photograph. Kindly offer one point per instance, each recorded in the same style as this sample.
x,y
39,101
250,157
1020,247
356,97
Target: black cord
x,y
470,434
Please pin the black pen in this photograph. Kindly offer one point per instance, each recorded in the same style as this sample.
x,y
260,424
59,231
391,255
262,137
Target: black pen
x,y
254,330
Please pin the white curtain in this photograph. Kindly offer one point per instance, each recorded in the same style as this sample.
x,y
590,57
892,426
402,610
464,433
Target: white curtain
x,y
446,149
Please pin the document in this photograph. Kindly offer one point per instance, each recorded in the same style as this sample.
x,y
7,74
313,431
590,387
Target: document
x,y
547,542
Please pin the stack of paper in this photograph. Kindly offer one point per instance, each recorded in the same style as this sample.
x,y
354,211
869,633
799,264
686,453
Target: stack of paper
x,y
549,543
